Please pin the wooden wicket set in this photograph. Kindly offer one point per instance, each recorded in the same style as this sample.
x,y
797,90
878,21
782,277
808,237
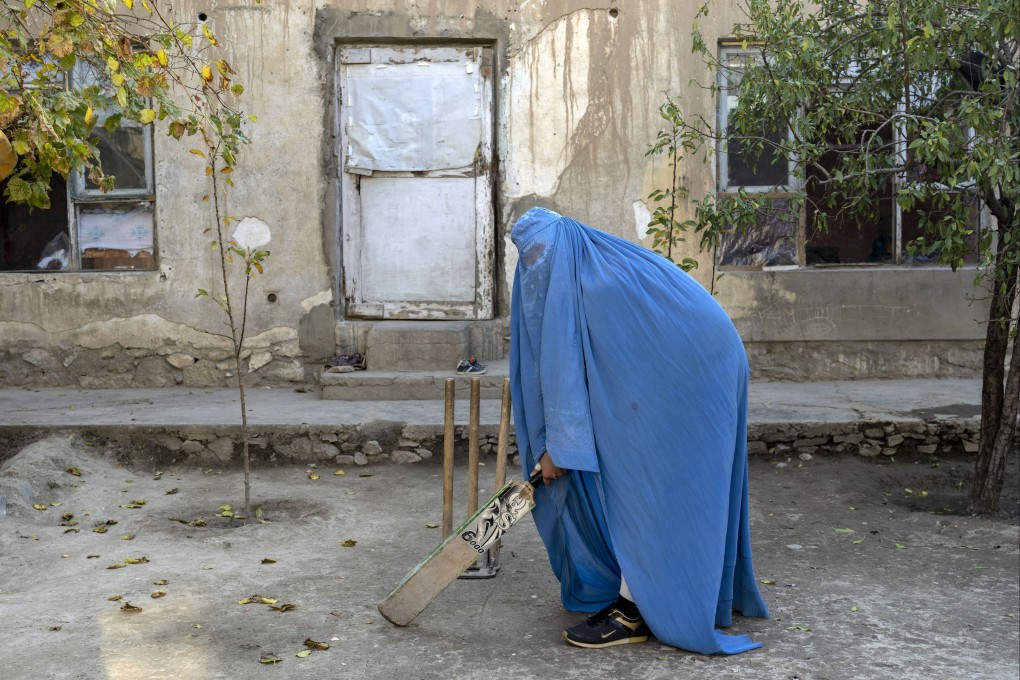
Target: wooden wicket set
x,y
487,565
470,550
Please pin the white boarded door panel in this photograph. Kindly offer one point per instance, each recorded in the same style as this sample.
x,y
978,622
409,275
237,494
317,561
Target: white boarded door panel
x,y
428,252
415,155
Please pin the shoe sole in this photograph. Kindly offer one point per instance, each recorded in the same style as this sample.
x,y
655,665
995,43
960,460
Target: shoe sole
x,y
600,645
470,372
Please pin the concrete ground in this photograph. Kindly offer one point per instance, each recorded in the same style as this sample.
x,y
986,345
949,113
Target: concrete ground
x,y
870,565
867,564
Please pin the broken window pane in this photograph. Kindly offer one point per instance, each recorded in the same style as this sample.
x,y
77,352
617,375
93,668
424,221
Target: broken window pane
x,y
771,243
842,230
116,235
35,239
911,229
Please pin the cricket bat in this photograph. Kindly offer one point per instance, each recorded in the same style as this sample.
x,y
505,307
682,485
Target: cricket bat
x,y
459,551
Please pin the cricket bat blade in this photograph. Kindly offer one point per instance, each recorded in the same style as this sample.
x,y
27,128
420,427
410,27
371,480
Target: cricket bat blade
x,y
459,551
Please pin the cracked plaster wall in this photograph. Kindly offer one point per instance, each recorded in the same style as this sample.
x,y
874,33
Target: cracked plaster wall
x,y
578,86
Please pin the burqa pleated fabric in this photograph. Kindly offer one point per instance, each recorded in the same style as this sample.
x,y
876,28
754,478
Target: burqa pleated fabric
x,y
634,379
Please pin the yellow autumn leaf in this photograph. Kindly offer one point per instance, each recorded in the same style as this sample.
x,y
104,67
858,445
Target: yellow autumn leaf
x,y
206,74
339,473
303,653
8,158
146,116
161,57
112,63
208,35
157,594
39,506
129,3
349,543
73,470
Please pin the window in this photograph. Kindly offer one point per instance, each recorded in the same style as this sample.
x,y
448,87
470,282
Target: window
x,y
84,228
848,235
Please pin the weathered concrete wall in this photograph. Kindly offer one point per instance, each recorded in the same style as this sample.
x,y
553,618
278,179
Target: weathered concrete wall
x,y
147,328
578,87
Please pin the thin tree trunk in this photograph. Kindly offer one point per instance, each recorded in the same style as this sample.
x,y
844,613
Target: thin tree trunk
x,y
988,501
998,401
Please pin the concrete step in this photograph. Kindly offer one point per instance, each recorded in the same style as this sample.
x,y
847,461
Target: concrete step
x,y
416,346
376,385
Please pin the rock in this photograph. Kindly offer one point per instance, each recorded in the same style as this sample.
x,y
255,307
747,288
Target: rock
x,y
874,433
927,448
805,456
39,358
425,454
757,447
192,447
780,465
406,443
855,438
970,447
258,360
325,451
222,449
890,451
816,441
152,371
401,456
347,447
894,440
869,450
360,458
328,437
178,360
344,459
371,448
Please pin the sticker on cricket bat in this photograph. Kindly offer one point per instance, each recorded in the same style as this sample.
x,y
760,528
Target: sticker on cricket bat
x,y
498,516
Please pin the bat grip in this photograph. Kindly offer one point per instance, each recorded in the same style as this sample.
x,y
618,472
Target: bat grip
x,y
536,478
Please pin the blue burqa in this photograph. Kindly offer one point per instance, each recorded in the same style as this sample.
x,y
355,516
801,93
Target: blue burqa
x,y
634,379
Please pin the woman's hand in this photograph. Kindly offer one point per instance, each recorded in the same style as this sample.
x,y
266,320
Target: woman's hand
x,y
550,470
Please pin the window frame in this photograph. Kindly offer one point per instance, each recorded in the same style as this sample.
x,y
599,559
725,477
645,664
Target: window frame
x,y
80,196
722,121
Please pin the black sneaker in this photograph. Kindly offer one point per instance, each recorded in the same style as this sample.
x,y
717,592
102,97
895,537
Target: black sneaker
x,y
607,628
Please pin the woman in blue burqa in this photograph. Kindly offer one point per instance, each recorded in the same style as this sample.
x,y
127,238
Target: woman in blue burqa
x,y
629,387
